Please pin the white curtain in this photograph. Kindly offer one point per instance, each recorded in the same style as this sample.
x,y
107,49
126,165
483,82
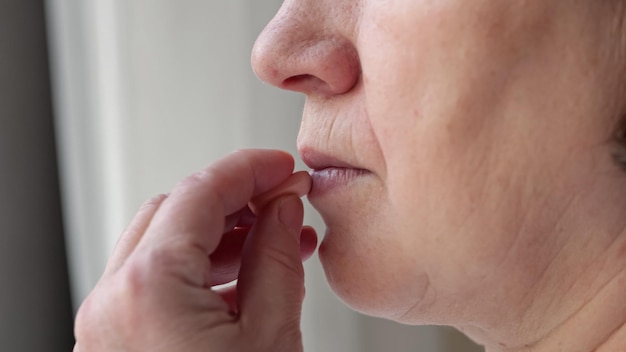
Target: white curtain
x,y
148,91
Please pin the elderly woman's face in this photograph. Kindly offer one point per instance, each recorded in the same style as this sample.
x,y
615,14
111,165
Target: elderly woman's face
x,y
474,126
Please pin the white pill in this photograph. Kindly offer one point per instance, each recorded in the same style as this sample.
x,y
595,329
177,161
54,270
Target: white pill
x,y
298,183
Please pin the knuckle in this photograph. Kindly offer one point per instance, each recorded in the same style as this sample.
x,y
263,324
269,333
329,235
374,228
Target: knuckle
x,y
175,261
191,181
153,202
196,180
201,180
201,177
134,281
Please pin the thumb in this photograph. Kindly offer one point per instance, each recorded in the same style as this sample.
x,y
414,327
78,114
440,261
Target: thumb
x,y
271,280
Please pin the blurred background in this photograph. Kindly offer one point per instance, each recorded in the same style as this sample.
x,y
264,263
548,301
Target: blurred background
x,y
105,103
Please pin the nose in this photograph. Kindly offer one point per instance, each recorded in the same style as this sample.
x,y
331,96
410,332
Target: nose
x,y
300,51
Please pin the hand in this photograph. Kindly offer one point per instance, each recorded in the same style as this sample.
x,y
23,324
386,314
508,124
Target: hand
x,y
156,292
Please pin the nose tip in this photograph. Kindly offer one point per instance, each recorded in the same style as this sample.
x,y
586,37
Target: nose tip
x,y
296,58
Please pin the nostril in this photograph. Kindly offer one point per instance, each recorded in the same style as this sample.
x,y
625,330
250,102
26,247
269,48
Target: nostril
x,y
296,80
307,83
306,63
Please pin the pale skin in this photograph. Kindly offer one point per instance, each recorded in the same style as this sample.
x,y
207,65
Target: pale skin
x,y
156,293
486,198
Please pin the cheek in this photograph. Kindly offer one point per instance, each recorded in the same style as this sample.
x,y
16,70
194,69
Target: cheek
x,y
434,108
438,83
375,260
438,80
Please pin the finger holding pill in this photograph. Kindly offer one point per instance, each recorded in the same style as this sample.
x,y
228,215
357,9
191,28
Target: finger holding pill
x,y
298,183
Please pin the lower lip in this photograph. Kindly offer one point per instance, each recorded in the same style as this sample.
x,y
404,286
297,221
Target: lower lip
x,y
332,178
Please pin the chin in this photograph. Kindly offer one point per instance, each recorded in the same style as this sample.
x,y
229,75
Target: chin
x,y
345,278
370,276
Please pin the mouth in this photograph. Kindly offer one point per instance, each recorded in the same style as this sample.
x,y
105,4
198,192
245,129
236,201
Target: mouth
x,y
330,173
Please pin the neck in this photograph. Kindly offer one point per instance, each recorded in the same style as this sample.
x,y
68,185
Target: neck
x,y
599,326
579,303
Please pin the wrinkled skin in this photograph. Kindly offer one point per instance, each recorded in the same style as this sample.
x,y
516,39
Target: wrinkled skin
x,y
491,201
157,292
462,155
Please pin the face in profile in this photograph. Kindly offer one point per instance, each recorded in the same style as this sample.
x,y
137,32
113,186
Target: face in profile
x,y
454,142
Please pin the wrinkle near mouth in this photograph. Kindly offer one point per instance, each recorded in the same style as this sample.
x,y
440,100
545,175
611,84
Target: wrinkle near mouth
x,y
341,126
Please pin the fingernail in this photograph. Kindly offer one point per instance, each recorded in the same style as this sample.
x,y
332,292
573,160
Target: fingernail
x,y
291,213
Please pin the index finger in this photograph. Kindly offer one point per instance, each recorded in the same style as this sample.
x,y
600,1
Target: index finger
x,y
194,213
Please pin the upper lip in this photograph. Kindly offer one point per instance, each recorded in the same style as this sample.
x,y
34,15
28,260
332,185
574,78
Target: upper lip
x,y
318,160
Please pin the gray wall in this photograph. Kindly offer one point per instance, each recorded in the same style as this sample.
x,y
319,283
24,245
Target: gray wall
x,y
35,310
